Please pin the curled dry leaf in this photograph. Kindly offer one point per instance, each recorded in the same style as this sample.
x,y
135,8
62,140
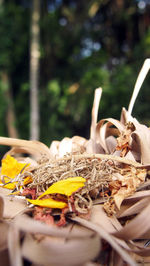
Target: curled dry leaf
x,y
14,246
12,205
35,148
135,208
127,184
104,234
56,251
3,235
137,227
123,141
1,207
26,224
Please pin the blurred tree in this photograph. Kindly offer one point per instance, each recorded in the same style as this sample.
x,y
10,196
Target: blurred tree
x,y
34,70
12,47
6,90
83,45
87,44
10,113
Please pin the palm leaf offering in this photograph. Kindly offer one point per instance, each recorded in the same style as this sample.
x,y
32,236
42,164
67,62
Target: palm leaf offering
x,y
79,202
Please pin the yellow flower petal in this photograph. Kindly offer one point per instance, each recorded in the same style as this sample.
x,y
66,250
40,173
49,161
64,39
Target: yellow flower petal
x,y
65,187
9,185
27,180
10,168
48,203
15,193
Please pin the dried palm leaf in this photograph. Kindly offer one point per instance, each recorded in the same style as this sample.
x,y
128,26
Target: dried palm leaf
x,y
35,148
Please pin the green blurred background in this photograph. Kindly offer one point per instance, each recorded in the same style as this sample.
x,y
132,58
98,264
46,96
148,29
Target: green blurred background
x,y
82,45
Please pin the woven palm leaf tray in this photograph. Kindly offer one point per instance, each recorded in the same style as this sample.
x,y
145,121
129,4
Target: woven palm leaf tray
x,y
80,201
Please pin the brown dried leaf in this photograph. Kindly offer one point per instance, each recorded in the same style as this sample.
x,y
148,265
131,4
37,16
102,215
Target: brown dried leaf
x,y
97,97
14,246
135,208
36,148
136,227
109,238
124,139
58,251
141,136
127,184
111,144
138,196
99,217
3,235
1,207
4,258
28,225
103,131
13,205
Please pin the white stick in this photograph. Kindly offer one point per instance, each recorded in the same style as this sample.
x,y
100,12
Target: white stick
x,y
97,97
138,84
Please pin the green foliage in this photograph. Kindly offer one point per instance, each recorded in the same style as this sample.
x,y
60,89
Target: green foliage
x,y
14,32
84,45
3,108
22,110
53,111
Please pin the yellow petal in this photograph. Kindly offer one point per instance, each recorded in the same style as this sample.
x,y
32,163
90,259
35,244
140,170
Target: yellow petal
x,y
11,168
10,185
65,187
27,180
49,203
15,193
